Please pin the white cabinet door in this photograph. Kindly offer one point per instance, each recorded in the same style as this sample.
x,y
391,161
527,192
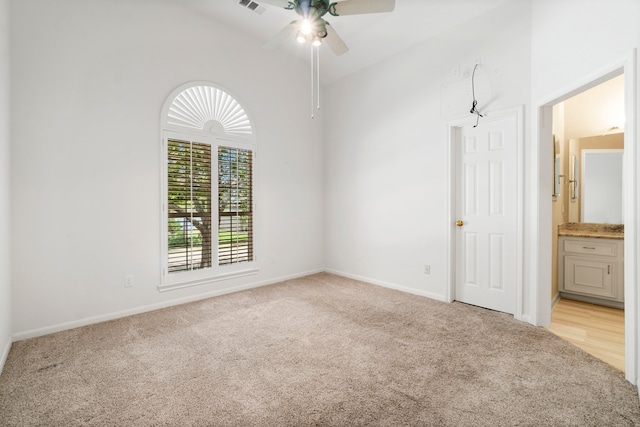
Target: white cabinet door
x,y
590,276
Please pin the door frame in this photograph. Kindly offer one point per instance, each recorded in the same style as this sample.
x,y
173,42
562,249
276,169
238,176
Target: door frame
x,y
541,204
453,138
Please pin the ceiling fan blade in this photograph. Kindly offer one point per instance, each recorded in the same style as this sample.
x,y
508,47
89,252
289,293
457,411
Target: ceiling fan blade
x,y
356,7
334,42
277,3
288,31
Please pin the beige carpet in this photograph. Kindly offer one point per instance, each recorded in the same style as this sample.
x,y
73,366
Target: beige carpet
x,y
315,351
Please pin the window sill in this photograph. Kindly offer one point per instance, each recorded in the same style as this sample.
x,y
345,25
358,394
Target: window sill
x,y
204,280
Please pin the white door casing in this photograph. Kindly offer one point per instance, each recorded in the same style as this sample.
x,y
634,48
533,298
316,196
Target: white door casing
x,y
486,195
539,214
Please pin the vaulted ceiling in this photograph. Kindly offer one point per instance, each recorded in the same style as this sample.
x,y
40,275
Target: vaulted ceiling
x,y
370,38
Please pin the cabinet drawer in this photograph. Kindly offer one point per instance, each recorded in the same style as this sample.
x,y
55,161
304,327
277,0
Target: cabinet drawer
x,y
590,247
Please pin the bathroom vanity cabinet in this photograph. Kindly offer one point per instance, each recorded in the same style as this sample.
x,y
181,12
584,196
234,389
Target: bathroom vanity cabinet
x,y
591,270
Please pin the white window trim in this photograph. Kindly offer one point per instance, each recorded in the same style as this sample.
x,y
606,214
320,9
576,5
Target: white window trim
x,y
215,137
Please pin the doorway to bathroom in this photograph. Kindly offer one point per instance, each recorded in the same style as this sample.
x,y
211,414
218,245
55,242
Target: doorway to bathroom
x,y
588,142
587,233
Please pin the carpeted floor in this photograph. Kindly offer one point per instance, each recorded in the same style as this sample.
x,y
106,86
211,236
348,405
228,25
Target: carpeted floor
x,y
317,351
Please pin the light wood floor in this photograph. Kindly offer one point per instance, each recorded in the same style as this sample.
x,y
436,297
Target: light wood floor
x,y
596,329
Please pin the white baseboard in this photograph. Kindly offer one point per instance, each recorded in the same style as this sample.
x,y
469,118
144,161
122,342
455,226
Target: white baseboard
x,y
389,285
5,354
19,336
525,318
555,301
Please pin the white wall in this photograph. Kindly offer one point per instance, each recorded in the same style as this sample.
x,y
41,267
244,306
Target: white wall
x,y
596,111
89,80
5,277
386,147
574,38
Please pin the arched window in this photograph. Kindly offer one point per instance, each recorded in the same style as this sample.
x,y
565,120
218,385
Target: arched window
x,y
208,152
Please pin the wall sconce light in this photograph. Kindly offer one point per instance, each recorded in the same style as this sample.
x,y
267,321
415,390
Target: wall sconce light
x,y
573,178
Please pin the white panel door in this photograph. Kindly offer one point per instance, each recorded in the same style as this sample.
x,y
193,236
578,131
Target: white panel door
x,y
486,185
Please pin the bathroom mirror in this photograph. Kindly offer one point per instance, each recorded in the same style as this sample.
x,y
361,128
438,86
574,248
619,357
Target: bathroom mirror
x,y
595,179
601,176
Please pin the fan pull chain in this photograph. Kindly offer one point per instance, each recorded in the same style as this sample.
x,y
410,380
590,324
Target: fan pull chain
x,y
318,74
312,83
315,78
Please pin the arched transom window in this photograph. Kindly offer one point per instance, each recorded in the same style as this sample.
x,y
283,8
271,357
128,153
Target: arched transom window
x,y
207,108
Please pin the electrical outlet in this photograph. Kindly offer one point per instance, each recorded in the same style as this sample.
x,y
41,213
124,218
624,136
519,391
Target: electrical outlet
x,y
427,269
128,281
455,72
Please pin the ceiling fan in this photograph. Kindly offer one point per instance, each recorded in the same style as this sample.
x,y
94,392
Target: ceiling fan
x,y
312,28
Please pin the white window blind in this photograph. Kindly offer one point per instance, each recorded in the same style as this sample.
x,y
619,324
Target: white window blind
x,y
189,205
235,205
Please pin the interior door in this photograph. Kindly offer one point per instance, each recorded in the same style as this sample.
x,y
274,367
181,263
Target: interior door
x,y
486,185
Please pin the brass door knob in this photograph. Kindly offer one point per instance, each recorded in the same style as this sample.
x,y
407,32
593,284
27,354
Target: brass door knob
x,y
459,223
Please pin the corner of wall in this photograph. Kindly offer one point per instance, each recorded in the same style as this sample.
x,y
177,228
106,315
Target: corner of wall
x,y
5,354
5,242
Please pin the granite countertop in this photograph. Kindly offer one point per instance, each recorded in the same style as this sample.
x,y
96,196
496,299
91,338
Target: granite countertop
x,y
587,229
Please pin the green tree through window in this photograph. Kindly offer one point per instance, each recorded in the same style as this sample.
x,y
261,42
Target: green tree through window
x,y
189,205
235,205
190,232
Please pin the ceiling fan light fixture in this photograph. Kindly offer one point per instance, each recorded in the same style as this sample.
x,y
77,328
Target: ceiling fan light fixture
x,y
301,38
305,27
321,29
317,41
